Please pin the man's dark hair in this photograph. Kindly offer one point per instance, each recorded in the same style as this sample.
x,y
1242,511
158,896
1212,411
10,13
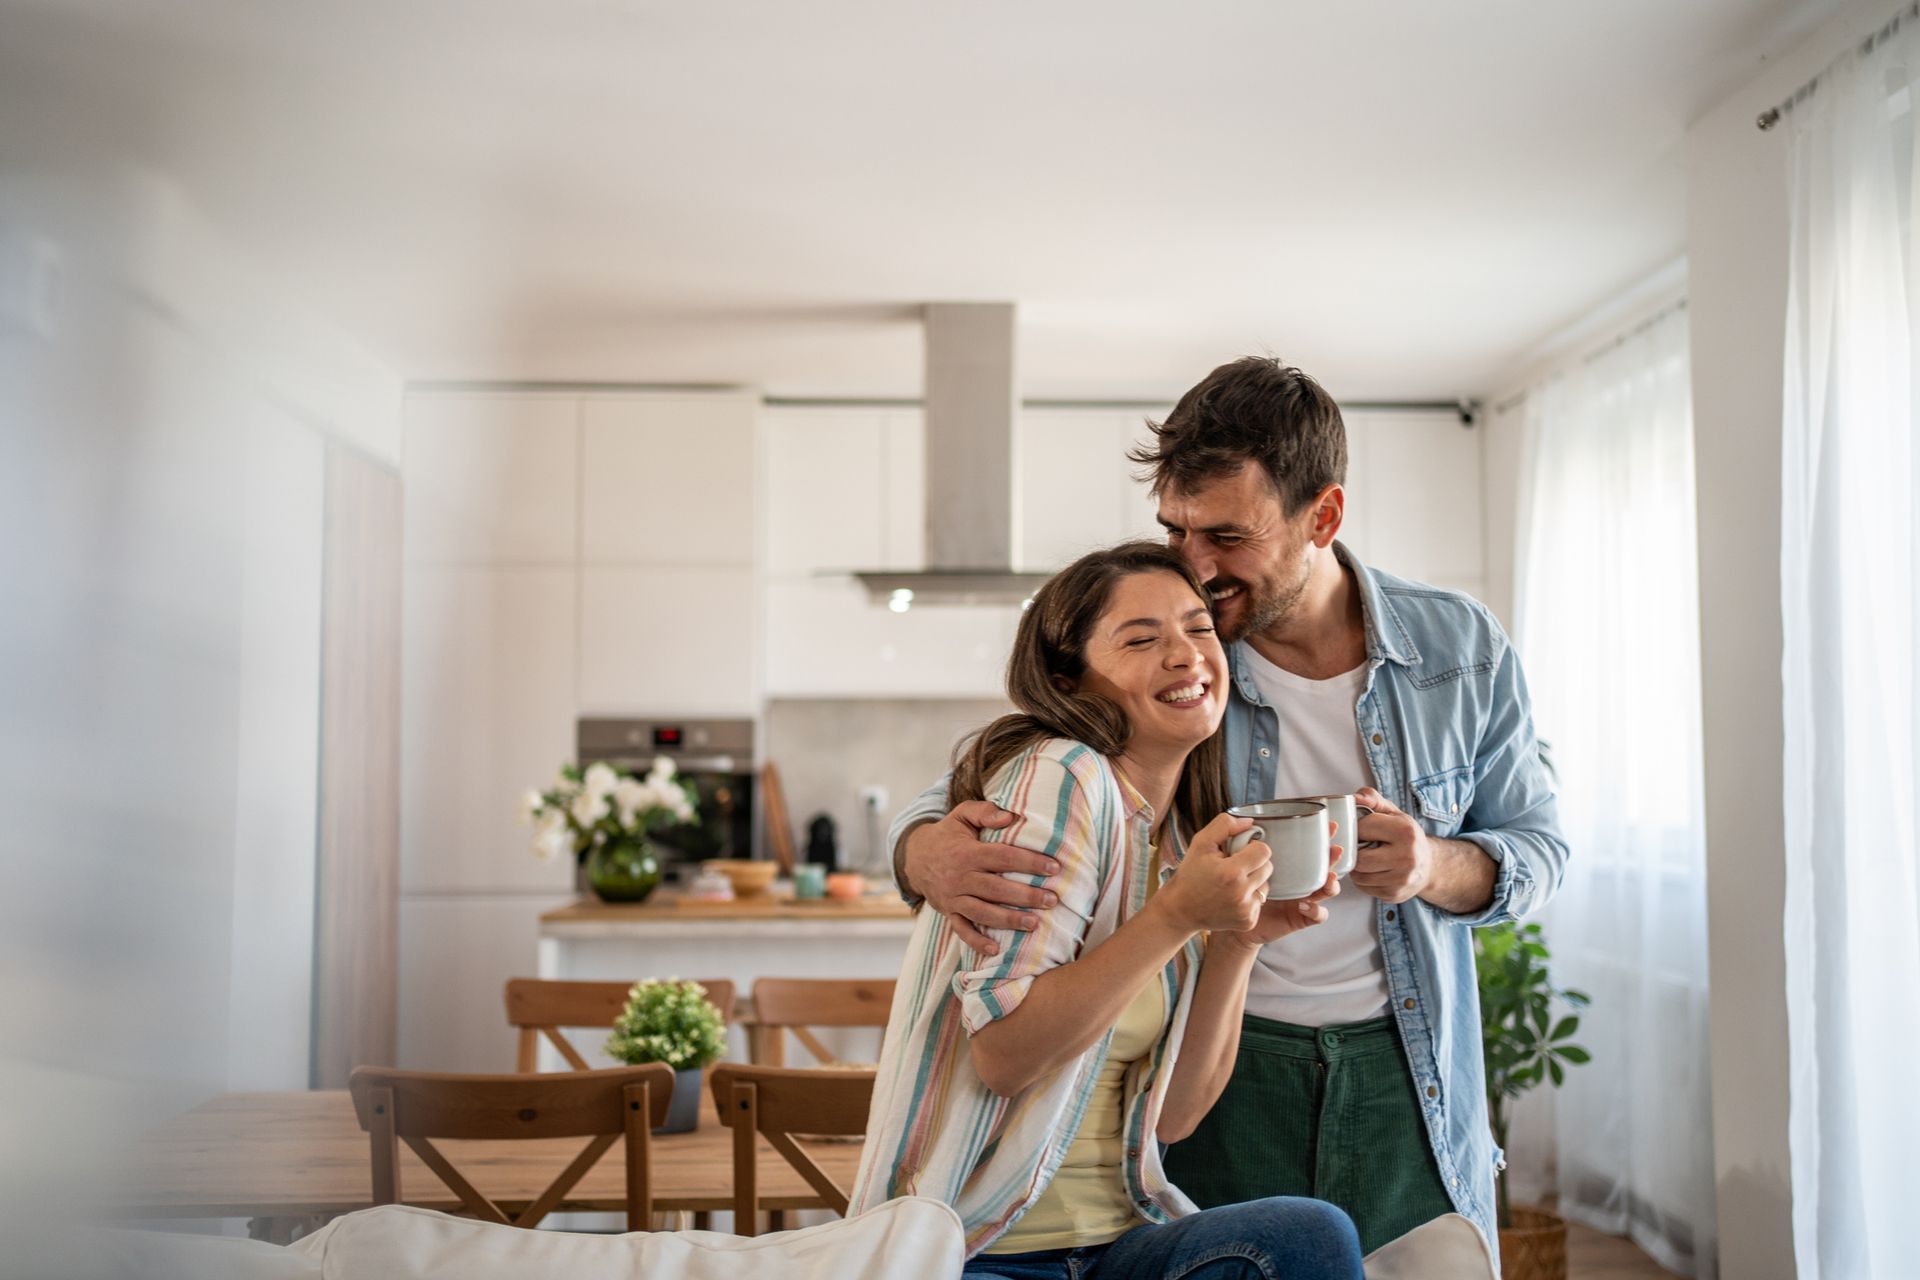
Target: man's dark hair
x,y
1255,409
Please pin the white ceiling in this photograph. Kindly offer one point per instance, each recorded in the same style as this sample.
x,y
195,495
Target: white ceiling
x,y
1401,198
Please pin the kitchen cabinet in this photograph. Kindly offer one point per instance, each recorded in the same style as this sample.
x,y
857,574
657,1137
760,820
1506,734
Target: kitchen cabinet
x,y
827,639
490,478
667,479
668,640
1078,490
487,710
844,490
568,553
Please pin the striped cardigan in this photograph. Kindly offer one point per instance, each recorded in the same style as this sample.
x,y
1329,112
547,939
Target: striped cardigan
x,y
935,1130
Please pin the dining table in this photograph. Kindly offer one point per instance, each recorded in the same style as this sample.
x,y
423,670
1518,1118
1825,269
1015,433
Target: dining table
x,y
290,1161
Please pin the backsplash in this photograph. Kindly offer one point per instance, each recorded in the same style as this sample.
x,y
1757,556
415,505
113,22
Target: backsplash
x,y
828,749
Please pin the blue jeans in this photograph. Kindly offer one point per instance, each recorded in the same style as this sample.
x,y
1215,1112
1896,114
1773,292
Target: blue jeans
x,y
1279,1238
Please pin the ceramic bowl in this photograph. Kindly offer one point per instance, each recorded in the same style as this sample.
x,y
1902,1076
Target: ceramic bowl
x,y
846,885
747,876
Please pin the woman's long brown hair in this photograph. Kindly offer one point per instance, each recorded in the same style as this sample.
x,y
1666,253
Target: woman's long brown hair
x,y
1052,642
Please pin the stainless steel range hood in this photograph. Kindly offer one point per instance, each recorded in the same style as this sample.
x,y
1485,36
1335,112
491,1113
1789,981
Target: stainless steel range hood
x,y
973,472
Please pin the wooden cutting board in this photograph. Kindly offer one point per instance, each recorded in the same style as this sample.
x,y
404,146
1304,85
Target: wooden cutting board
x,y
773,805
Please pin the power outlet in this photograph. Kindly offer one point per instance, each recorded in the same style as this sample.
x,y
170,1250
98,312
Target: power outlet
x,y
874,799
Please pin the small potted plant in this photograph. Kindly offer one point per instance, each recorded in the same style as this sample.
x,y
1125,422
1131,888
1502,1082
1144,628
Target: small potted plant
x,y
673,1022
1523,1047
606,815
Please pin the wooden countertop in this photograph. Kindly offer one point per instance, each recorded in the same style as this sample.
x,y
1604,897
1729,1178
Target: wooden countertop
x,y
669,906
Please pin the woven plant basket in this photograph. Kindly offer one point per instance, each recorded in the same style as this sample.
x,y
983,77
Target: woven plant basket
x,y
1534,1247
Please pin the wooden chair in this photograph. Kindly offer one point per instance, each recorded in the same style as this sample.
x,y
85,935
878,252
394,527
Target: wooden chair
x,y
778,1103
541,1007
416,1107
799,1004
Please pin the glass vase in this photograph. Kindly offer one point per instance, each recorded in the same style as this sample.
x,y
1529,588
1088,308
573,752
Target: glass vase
x,y
623,871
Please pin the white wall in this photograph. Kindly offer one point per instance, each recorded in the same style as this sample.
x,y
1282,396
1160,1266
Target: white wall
x,y
160,505
1737,250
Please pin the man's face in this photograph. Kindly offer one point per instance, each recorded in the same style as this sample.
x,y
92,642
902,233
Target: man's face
x,y
1254,560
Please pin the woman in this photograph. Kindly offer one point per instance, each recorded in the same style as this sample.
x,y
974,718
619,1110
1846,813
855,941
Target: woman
x,y
1031,1089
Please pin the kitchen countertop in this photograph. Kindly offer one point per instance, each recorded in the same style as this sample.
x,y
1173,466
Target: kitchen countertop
x,y
669,912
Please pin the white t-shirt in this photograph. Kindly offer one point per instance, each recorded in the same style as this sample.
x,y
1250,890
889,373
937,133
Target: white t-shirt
x,y
1334,972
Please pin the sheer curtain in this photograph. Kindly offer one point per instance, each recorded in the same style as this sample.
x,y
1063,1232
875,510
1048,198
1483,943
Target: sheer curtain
x,y
1849,542
1609,628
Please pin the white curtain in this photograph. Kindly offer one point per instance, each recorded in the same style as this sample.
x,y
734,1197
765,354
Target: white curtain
x,y
1609,629
1850,549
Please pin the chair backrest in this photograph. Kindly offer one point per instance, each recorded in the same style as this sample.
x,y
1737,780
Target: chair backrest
x,y
777,1103
541,1007
416,1107
798,1004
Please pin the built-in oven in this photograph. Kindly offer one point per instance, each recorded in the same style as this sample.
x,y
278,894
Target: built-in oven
x,y
716,756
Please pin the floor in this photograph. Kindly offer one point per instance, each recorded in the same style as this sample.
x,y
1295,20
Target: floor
x,y
1592,1256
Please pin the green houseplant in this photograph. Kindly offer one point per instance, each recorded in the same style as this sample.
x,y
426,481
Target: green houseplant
x,y
1524,1045
671,1021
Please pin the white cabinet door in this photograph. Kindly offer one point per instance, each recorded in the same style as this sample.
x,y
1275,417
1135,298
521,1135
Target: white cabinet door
x,y
676,641
487,710
456,954
827,490
667,478
825,638
490,477
1414,481
1077,487
904,493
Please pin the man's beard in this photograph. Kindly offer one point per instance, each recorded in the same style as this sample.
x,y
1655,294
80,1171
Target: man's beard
x,y
1264,605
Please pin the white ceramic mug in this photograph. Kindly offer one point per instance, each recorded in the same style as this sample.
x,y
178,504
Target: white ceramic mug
x,y
1346,813
1296,831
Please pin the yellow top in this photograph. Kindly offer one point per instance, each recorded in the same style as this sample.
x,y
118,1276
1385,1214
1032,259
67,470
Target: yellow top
x,y
1087,1202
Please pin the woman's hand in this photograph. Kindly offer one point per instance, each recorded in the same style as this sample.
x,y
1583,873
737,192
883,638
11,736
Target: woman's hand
x,y
1290,915
1213,890
1280,918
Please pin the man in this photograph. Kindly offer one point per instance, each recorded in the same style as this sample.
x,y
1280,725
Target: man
x,y
1359,1077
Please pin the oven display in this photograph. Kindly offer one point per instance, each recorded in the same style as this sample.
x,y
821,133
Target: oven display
x,y
667,735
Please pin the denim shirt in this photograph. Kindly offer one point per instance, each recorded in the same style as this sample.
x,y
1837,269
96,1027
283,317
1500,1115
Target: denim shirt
x,y
1448,730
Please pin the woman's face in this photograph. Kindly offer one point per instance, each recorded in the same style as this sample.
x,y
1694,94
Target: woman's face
x,y
1153,652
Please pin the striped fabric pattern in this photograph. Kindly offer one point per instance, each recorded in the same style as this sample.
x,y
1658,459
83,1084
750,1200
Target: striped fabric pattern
x,y
935,1130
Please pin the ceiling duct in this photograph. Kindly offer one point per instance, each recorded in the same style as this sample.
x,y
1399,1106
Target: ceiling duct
x,y
973,471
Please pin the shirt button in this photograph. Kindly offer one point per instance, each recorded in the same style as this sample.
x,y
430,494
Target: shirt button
x,y
1433,1091
1377,739
1265,752
1455,1182
1407,1003
1453,808
1389,913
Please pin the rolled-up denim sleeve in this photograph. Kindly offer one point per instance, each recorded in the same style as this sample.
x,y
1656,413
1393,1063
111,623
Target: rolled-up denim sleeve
x,y
1060,811
929,806
1514,815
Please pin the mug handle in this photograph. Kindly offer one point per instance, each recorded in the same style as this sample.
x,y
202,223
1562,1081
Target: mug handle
x,y
1362,811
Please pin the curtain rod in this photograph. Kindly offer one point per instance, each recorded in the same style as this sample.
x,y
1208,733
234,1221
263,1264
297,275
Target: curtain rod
x,y
1585,358
1773,115
1462,409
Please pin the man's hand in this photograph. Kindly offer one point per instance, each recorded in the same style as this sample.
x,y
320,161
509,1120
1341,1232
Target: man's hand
x,y
1400,864
1454,875
958,874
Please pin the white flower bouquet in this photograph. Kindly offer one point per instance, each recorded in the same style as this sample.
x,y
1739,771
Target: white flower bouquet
x,y
587,808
